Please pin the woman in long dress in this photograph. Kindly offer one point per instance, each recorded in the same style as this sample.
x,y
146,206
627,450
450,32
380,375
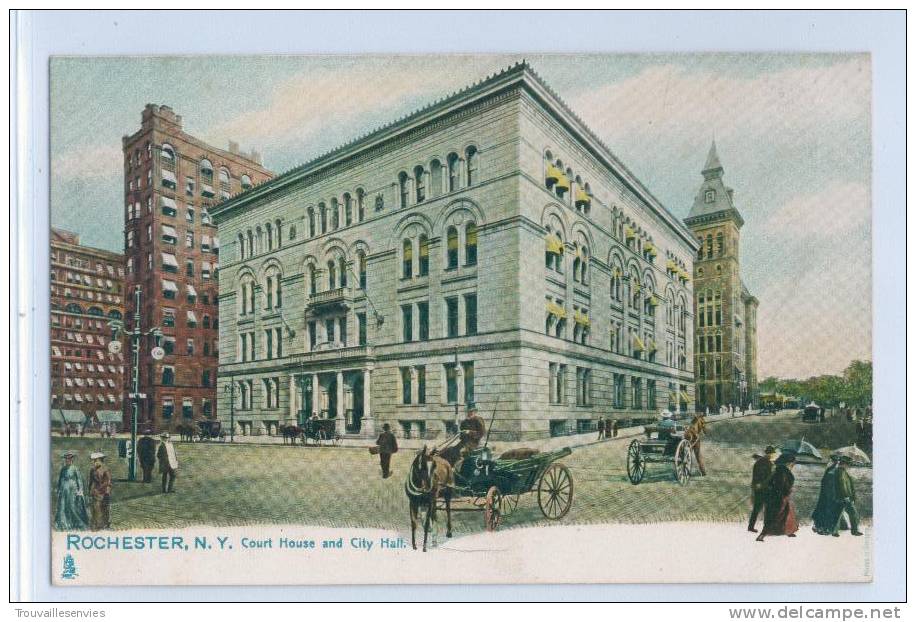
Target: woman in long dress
x,y
779,514
71,512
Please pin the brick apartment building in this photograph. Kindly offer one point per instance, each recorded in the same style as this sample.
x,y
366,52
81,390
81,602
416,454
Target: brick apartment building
x,y
87,291
171,180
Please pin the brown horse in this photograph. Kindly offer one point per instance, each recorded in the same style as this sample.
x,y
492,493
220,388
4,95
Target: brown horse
x,y
429,478
291,433
693,434
187,431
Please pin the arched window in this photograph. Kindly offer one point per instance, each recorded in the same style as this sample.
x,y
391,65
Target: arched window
x,y
435,178
420,183
250,252
332,274
246,295
453,172
73,308
277,228
709,245
348,209
451,248
241,246
292,232
583,265
342,265
720,243
95,310
335,214
361,263
224,177
423,264
259,241
246,182
323,216
311,216
554,250
114,314
471,159
313,280
206,171
470,244
615,284
270,237
168,153
407,259
404,189
360,204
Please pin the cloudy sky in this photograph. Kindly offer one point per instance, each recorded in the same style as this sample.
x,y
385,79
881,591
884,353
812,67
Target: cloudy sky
x,y
793,134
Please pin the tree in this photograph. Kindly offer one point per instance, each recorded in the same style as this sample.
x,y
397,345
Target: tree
x,y
857,378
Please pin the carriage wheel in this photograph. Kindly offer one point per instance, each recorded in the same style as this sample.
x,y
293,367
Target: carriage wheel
x,y
509,503
321,438
636,464
335,441
492,509
555,491
682,461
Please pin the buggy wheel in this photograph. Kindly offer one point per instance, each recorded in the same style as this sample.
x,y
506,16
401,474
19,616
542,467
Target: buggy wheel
x,y
555,491
682,462
321,438
335,440
492,509
509,503
636,464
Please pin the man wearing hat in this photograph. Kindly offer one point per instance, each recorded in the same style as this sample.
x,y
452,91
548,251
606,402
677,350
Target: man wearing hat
x,y
100,491
168,462
760,481
472,428
387,445
146,454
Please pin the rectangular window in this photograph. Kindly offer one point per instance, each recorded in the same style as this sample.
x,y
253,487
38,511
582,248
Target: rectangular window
x,y
329,329
406,388
637,394
361,327
269,336
189,268
187,408
421,384
451,383
279,342
168,376
189,239
342,322
407,322
468,369
168,407
470,314
313,335
205,378
451,313
423,313
618,391
650,394
190,346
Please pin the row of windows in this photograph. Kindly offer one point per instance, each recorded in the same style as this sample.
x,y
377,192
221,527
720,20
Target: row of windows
x,y
334,214
86,398
433,180
260,240
568,186
711,251
418,264
714,370
187,408
459,380
168,159
168,344
85,264
83,294
207,377
453,321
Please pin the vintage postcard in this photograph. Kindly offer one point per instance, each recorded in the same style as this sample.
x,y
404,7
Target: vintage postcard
x,y
460,319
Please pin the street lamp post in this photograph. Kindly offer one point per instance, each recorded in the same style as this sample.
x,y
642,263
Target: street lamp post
x,y
230,389
135,396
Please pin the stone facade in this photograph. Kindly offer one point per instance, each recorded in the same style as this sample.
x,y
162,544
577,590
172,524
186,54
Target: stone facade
x,y
87,292
171,182
485,248
725,311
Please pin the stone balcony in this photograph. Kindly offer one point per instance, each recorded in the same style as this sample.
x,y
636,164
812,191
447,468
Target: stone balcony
x,y
332,299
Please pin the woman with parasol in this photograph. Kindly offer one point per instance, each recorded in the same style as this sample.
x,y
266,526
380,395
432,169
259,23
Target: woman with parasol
x,y
779,517
71,512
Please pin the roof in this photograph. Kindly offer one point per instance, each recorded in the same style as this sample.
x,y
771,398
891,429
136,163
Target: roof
x,y
519,74
721,199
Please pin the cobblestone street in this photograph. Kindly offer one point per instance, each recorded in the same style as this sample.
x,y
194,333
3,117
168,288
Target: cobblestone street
x,y
219,484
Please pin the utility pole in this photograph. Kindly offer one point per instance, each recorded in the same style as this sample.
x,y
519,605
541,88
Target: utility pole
x,y
135,333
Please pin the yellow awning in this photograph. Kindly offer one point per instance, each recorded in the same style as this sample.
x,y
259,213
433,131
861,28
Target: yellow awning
x,y
629,233
637,287
638,344
471,235
555,309
562,182
649,247
616,273
670,265
653,347
653,300
452,242
685,397
553,174
424,250
672,396
554,245
582,197
581,318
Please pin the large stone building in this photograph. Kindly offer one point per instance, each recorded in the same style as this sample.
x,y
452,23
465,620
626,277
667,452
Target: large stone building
x,y
725,311
487,247
87,291
171,181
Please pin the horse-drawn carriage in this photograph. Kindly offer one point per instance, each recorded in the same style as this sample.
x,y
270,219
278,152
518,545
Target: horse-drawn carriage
x,y
320,432
495,485
210,430
666,443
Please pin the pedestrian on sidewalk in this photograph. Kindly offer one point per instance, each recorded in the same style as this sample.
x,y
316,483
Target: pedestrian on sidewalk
x,y
613,423
168,462
387,445
601,428
100,491
760,482
779,517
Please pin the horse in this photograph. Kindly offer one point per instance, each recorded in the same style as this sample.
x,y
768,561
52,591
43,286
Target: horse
x,y
186,432
291,433
694,431
429,478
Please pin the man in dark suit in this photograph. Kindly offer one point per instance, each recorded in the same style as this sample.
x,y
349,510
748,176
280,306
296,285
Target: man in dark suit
x,y
600,428
473,428
146,455
387,445
760,481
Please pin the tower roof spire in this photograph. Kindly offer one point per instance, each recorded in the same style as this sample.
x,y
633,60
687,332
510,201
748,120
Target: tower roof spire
x,y
714,197
713,164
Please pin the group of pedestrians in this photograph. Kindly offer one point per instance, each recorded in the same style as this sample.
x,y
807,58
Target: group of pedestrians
x,y
772,481
607,428
73,498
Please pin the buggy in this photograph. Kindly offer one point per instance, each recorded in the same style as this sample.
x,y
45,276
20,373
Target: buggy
x,y
320,432
211,431
664,444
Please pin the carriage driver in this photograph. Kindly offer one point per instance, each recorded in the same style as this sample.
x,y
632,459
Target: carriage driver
x,y
473,428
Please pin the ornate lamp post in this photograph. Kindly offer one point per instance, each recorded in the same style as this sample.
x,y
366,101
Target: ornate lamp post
x,y
135,334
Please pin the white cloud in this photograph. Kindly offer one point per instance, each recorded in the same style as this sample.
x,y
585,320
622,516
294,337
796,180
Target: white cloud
x,y
90,162
670,100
